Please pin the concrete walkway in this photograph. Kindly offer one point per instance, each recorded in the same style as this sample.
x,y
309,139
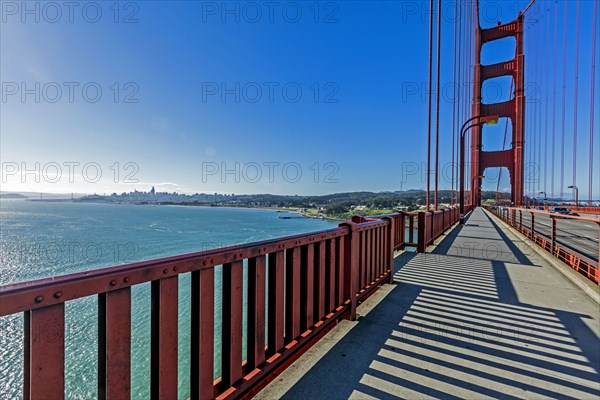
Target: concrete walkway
x,y
481,316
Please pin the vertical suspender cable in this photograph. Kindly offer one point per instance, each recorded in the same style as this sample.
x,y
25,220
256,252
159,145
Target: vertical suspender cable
x,y
534,144
470,98
592,110
541,39
460,118
564,89
437,105
512,83
546,89
575,98
553,150
453,103
468,85
429,103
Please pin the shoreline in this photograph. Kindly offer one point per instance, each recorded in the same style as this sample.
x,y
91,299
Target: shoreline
x,y
292,210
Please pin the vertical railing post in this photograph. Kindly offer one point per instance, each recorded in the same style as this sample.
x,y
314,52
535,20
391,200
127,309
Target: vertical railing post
x,y
402,230
44,350
421,232
431,228
598,268
532,226
351,255
520,221
389,248
553,244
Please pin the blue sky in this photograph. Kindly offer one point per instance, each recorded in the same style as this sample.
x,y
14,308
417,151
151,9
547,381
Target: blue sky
x,y
238,97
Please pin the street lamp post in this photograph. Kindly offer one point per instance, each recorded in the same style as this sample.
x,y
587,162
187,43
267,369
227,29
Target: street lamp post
x,y
465,127
576,194
544,193
473,183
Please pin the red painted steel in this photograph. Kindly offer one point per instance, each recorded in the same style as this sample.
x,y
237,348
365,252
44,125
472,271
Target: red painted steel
x,y
202,334
433,224
45,353
163,338
256,311
340,270
114,350
319,277
276,302
292,294
307,301
320,281
231,328
582,264
514,109
331,282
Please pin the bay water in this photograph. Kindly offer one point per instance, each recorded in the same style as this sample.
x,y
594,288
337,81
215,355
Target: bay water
x,y
46,239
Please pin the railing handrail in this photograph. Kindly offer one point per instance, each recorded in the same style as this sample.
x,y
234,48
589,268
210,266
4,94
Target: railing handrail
x,y
14,296
549,214
571,256
318,277
313,280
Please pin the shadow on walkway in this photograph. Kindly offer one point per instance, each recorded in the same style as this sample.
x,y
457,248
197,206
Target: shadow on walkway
x,y
453,327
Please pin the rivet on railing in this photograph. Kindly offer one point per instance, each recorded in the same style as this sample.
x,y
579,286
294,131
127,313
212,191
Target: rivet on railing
x,y
204,262
175,268
113,282
39,299
126,279
165,271
57,295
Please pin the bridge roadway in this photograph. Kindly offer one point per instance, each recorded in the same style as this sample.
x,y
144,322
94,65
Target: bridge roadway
x,y
480,316
581,236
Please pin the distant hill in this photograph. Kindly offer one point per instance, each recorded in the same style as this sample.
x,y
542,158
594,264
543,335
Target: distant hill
x,y
12,196
36,195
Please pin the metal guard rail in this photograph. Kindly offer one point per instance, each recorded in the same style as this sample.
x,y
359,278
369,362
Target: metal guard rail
x,y
430,226
306,283
576,260
433,224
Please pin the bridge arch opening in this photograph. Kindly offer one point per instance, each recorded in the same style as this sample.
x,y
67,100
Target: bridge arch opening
x,y
496,185
497,90
498,51
497,137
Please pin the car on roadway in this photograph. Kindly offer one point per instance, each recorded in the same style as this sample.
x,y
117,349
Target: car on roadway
x,y
563,211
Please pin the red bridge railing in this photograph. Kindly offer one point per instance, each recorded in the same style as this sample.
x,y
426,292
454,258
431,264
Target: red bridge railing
x,y
433,224
302,285
429,225
550,242
305,283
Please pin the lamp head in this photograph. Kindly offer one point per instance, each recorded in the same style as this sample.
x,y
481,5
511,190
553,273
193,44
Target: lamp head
x,y
490,119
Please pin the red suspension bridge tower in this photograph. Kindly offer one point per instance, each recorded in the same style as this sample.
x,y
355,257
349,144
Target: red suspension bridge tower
x,y
514,109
